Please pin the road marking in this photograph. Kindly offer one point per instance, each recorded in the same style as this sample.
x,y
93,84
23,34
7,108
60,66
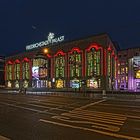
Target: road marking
x,y
127,106
3,138
93,124
49,108
83,107
133,117
117,108
91,130
107,113
30,109
99,114
99,120
109,119
94,119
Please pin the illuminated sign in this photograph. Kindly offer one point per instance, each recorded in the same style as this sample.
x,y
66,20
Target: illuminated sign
x,y
35,73
51,40
59,83
138,74
74,83
42,72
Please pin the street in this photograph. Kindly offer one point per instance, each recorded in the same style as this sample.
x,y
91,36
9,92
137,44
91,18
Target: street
x,y
34,117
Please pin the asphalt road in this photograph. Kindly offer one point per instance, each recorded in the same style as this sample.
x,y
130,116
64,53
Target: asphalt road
x,y
28,117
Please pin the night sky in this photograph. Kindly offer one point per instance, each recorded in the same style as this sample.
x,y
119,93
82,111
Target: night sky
x,y
25,22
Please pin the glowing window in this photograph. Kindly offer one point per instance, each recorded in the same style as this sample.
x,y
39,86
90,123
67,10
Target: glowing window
x,y
93,62
25,70
60,66
17,71
109,64
75,62
126,78
9,72
126,69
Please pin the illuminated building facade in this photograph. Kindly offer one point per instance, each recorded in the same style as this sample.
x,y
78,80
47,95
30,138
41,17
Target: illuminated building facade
x,y
129,69
89,63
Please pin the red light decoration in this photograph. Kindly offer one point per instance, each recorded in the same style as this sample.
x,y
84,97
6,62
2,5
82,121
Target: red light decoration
x,y
9,62
17,61
109,48
60,52
49,56
95,46
113,54
75,49
26,59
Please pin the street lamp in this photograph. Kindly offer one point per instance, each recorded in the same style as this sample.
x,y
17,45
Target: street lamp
x,y
46,51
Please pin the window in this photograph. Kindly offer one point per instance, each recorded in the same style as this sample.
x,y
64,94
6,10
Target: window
x,y
9,72
126,69
109,64
39,72
75,62
26,70
17,71
60,66
93,62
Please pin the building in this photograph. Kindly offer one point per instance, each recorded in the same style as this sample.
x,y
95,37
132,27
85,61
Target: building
x,y
89,63
129,69
2,63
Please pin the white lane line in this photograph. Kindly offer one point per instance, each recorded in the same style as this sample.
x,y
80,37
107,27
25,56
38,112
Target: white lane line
x,y
49,108
121,105
91,130
93,124
98,114
30,109
93,119
3,138
82,107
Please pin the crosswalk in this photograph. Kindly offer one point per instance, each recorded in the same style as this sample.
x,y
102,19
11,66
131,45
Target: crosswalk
x,y
94,119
